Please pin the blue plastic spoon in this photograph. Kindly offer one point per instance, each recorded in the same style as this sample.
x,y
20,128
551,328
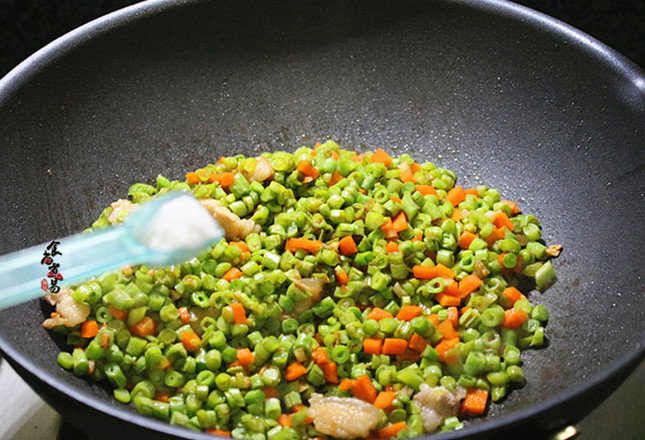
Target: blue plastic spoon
x,y
30,273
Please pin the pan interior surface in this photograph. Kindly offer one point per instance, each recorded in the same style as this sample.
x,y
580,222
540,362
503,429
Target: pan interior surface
x,y
500,95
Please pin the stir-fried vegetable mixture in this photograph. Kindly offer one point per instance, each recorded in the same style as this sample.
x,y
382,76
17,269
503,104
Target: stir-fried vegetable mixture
x,y
354,296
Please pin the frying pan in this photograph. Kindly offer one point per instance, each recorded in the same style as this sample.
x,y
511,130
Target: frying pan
x,y
502,95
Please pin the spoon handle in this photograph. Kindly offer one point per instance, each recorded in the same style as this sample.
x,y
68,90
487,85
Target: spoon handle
x,y
32,272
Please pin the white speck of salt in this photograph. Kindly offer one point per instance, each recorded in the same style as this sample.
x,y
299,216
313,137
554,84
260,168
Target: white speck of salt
x,y
181,223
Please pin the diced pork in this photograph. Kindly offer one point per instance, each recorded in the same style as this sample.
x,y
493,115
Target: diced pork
x,y
437,404
234,226
119,208
68,312
343,417
263,170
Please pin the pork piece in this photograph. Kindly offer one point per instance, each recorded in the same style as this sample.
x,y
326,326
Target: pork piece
x,y
234,227
437,404
554,250
68,312
120,207
263,170
343,417
313,286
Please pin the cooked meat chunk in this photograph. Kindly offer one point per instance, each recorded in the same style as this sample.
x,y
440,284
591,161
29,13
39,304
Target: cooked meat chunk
x,y
68,312
313,286
263,170
343,417
554,251
234,227
120,209
437,403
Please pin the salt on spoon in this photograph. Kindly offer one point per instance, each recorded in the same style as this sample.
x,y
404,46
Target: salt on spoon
x,y
167,230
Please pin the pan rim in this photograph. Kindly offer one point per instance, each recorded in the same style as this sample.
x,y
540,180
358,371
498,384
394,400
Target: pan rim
x,y
127,16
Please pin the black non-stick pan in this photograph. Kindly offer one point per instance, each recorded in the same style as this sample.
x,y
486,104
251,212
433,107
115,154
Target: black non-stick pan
x,y
503,96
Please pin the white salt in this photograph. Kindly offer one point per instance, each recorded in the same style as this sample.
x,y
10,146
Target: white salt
x,y
180,223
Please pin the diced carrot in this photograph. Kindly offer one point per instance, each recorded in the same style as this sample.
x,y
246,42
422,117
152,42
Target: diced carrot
x,y
364,389
346,384
245,356
456,215
456,195
453,316
223,179
400,222
192,178
448,330
387,224
417,343
270,392
240,244
162,396
372,345
342,277
220,432
320,356
232,274
445,272
451,288
472,191
396,199
409,312
330,372
443,347
307,170
347,245
146,327
381,156
469,284
89,329
391,234
294,371
335,178
105,340
447,300
415,167
239,314
475,401
315,150
334,155
496,234
513,294
391,247
384,399
284,420
513,318
418,237
514,208
293,244
424,272
391,430
184,315
164,364
394,346
433,318
502,220
466,239
377,314
121,315
426,190
191,341
409,356
407,175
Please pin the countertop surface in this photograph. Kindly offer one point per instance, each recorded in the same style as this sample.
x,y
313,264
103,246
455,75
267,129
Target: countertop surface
x,y
27,25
